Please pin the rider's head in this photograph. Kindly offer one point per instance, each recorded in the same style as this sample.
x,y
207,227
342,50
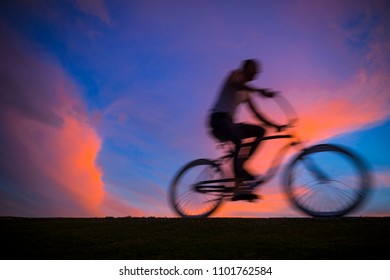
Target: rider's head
x,y
250,68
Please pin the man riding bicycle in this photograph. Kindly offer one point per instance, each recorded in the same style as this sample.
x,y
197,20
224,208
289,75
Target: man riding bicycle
x,y
234,92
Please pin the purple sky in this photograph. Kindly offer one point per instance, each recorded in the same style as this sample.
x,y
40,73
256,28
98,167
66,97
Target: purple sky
x,y
103,101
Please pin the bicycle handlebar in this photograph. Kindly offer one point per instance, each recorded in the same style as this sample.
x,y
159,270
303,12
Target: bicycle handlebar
x,y
285,107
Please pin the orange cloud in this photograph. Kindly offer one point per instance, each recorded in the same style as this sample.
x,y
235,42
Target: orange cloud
x,y
77,146
49,147
67,155
350,108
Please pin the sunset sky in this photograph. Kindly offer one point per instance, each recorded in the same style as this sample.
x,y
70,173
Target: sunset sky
x,y
101,102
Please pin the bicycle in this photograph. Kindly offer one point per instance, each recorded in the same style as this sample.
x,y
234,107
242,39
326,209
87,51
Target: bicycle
x,y
322,180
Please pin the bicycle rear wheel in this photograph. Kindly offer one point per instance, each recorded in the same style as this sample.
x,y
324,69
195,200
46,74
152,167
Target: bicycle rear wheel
x,y
327,181
190,201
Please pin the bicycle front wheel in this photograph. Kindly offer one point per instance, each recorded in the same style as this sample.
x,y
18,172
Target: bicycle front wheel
x,y
188,199
327,181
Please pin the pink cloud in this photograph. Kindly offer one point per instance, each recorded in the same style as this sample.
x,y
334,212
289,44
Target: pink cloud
x,y
362,101
42,115
49,147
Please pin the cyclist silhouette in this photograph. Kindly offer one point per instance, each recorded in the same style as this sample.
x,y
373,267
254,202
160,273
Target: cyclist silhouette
x,y
234,92
201,185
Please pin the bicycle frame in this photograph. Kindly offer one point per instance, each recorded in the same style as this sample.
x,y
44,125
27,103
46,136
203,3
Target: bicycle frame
x,y
205,186
277,160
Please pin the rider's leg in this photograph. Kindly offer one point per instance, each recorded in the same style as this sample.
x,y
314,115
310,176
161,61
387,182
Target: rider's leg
x,y
254,131
249,131
224,129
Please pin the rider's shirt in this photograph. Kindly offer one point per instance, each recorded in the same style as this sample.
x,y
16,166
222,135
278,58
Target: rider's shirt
x,y
231,95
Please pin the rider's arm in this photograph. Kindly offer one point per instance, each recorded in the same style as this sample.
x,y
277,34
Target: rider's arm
x,y
263,91
236,78
261,117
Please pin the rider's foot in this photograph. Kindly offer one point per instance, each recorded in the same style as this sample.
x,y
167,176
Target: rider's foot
x,y
244,193
245,196
244,175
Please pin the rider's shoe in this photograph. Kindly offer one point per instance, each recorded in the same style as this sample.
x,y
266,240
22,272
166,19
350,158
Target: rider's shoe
x,y
245,196
244,175
244,193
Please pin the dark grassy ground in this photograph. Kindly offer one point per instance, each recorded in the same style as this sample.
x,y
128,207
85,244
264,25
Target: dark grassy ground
x,y
162,238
